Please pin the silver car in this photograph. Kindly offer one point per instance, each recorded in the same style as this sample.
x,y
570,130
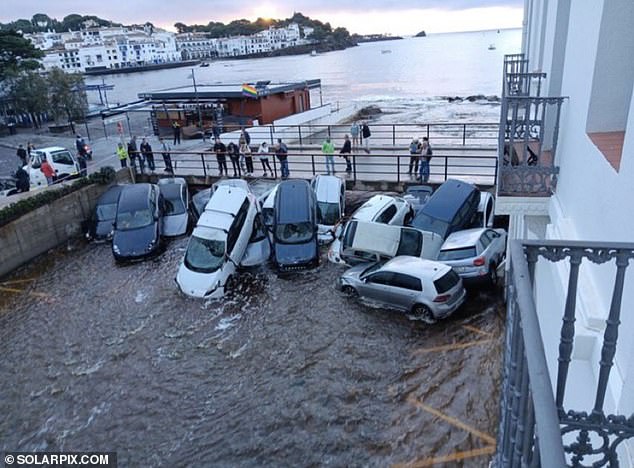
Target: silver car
x,y
475,253
176,199
426,289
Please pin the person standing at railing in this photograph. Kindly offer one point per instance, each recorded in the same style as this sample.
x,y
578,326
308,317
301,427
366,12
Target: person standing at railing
x,y
148,155
329,150
133,154
282,154
234,157
167,157
424,164
263,153
354,132
366,134
221,150
415,150
122,154
176,128
245,152
345,153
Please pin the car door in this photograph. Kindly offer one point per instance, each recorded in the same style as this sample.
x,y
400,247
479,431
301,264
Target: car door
x,y
405,291
496,246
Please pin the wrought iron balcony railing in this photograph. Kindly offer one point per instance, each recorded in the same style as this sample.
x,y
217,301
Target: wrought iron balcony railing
x,y
535,427
529,130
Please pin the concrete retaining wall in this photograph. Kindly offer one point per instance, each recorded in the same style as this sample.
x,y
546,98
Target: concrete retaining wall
x,y
48,226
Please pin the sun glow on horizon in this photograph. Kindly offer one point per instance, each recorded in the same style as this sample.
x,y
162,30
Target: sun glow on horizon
x,y
265,11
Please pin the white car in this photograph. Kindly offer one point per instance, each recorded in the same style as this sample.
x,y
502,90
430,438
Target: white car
x,y
331,203
61,160
176,200
372,242
385,209
268,209
475,253
239,183
259,248
486,211
218,243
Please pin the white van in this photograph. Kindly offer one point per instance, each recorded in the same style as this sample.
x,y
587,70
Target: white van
x,y
331,203
61,160
218,243
362,241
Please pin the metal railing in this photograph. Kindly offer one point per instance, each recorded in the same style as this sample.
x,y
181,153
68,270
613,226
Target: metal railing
x,y
479,167
528,133
535,428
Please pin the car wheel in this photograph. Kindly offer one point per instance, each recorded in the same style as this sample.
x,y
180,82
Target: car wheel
x,y
423,313
493,275
350,291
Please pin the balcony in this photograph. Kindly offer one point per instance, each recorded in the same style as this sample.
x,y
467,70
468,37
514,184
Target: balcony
x,y
536,426
529,129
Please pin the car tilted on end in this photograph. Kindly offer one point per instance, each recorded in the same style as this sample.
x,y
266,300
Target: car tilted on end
x,y
176,198
426,289
475,254
101,224
330,192
385,209
295,226
137,227
218,243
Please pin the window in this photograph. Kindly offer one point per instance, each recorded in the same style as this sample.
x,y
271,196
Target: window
x,y
446,282
382,277
62,157
457,254
411,243
404,281
387,215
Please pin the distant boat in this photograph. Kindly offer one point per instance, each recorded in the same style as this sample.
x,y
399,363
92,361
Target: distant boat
x,y
204,64
313,53
491,46
386,51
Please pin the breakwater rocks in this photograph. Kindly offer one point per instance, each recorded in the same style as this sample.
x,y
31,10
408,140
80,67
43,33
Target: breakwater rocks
x,y
474,98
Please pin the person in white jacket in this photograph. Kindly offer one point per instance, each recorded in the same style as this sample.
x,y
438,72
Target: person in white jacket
x,y
263,154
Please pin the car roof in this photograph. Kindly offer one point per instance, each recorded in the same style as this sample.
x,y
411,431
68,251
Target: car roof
x,y
416,266
292,201
214,220
50,149
227,199
134,196
375,237
110,196
447,199
237,183
327,188
369,209
172,180
464,238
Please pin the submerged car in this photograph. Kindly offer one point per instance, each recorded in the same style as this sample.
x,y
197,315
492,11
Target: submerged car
x,y
295,226
137,228
176,198
485,214
362,242
101,224
268,208
475,254
330,192
218,243
385,209
425,289
259,248
418,195
199,201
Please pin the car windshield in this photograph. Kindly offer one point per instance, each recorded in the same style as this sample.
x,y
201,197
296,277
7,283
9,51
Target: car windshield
x,y
427,223
62,157
106,211
204,255
457,254
134,219
328,213
174,207
267,216
294,233
411,243
371,269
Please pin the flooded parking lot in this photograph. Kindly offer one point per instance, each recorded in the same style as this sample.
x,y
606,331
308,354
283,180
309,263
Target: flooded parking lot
x,y
286,371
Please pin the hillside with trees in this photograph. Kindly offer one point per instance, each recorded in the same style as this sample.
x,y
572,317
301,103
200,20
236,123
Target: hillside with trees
x,y
41,22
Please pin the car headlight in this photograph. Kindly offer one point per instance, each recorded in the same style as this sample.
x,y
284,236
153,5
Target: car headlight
x,y
151,245
115,249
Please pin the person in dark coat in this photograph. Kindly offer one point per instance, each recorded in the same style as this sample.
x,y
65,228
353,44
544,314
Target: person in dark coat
x,y
21,153
133,153
345,153
146,150
221,151
23,183
176,128
366,134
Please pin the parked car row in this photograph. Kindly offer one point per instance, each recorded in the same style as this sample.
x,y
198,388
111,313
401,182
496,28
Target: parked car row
x,y
411,253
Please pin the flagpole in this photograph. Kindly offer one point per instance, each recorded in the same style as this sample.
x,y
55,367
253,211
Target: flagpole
x,y
200,120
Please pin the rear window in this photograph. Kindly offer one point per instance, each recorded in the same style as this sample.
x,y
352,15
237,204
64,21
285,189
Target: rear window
x,y
446,282
457,254
410,244
425,222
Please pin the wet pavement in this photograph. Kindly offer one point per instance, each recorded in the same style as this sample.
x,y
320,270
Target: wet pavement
x,y
286,371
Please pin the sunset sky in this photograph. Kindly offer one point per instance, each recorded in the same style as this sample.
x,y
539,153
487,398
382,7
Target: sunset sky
x,y
358,16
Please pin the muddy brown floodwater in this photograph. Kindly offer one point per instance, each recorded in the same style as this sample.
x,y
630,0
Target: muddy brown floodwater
x,y
286,371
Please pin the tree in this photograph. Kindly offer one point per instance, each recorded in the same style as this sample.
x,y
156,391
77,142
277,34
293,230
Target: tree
x,y
17,54
67,96
30,94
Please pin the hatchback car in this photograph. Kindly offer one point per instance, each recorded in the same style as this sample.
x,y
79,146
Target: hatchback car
x,y
295,226
330,192
218,243
101,224
425,289
137,228
176,197
475,253
385,209
61,160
